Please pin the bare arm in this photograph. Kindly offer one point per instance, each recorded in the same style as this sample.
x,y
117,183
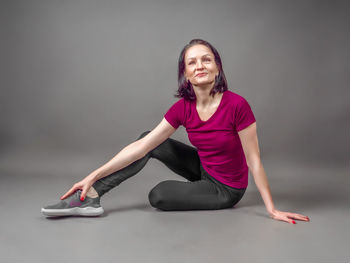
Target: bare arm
x,y
249,140
126,156
129,154
135,150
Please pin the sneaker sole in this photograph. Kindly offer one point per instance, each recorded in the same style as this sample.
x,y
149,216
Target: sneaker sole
x,y
75,211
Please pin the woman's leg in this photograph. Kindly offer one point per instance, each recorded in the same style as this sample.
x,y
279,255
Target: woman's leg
x,y
177,156
200,192
205,194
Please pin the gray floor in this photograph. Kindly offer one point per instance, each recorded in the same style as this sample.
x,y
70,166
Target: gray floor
x,y
133,231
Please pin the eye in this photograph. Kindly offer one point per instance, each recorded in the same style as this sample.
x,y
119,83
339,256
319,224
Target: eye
x,y
190,63
206,59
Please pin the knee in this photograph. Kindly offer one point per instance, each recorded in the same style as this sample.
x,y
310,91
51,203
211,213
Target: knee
x,y
155,197
143,134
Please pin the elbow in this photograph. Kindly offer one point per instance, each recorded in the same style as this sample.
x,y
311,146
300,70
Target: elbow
x,y
254,164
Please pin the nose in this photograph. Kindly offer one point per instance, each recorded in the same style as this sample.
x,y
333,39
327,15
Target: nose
x,y
199,64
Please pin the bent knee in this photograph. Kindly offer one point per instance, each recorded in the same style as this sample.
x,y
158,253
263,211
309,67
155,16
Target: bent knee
x,y
155,197
158,195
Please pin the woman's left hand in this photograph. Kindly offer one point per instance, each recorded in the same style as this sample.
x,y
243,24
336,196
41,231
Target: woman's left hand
x,y
287,216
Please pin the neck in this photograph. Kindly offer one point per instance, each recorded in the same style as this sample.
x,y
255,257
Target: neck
x,y
203,98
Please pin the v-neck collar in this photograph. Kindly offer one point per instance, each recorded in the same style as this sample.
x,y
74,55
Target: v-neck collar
x,y
212,116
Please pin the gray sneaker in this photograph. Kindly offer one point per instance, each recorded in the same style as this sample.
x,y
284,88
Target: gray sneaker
x,y
72,206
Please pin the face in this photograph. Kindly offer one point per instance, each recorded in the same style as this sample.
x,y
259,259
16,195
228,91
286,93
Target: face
x,y
200,66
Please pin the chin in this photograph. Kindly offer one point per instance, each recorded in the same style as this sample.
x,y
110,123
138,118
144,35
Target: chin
x,y
204,82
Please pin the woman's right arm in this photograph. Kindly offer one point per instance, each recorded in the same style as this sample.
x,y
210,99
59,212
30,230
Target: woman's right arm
x,y
129,154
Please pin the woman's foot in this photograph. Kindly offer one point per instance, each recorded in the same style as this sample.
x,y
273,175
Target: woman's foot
x,y
72,206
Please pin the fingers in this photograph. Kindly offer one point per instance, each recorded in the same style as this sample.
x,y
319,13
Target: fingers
x,y
283,216
288,220
298,216
288,217
83,194
301,217
71,191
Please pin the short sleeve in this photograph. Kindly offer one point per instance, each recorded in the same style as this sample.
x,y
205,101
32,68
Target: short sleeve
x,y
243,115
175,114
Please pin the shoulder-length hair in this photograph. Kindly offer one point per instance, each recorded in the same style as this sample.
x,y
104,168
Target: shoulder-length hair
x,y
185,89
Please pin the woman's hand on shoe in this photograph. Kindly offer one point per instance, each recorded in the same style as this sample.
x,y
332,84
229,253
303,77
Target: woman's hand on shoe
x,y
83,185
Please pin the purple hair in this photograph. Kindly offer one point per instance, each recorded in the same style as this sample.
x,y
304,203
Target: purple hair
x,y
185,87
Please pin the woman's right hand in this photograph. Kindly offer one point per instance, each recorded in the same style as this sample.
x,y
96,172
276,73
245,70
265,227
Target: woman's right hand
x,y
83,185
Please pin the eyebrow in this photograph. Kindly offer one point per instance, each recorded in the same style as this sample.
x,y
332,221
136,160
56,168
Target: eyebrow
x,y
202,56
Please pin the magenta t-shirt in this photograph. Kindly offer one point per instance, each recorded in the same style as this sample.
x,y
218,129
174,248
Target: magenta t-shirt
x,y
218,144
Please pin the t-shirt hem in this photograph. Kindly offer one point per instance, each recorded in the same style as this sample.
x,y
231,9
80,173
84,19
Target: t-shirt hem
x,y
237,185
242,127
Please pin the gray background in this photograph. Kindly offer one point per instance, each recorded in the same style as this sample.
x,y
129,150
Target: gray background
x,y
82,79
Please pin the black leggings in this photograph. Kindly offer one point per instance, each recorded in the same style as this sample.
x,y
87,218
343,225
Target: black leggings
x,y
200,192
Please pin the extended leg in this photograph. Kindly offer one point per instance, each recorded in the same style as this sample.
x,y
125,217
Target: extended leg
x,y
179,157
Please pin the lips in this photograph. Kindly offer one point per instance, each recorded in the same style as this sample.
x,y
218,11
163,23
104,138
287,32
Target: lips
x,y
201,74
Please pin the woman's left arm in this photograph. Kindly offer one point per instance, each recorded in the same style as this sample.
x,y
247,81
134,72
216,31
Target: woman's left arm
x,y
249,141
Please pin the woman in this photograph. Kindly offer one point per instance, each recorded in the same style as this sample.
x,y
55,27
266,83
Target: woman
x,y
219,122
